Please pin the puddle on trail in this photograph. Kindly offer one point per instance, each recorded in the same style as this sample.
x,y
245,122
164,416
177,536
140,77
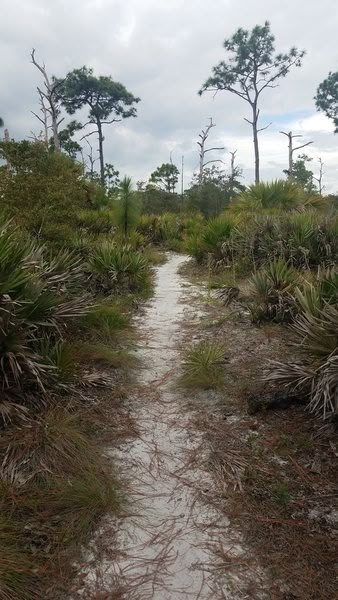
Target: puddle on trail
x,y
163,547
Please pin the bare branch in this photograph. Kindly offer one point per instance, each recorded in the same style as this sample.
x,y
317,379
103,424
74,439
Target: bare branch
x,y
37,116
213,161
88,134
263,128
112,121
49,96
215,148
302,146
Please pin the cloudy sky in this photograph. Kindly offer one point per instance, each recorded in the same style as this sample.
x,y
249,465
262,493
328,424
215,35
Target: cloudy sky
x,y
162,51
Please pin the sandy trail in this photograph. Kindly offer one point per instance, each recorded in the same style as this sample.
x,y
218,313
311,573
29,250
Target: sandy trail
x,y
165,544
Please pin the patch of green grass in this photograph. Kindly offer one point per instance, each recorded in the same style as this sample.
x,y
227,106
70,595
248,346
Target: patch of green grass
x,y
16,565
106,319
154,257
211,323
54,487
202,365
296,443
98,352
210,300
175,245
59,355
281,494
78,502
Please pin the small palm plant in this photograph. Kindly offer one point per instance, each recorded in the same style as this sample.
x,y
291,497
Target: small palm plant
x,y
315,374
37,298
280,194
118,268
273,286
203,364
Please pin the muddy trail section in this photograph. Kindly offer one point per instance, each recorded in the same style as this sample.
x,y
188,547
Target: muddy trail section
x,y
164,548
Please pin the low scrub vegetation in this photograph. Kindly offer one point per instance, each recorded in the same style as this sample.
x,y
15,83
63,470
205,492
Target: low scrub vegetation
x,y
76,258
72,268
284,259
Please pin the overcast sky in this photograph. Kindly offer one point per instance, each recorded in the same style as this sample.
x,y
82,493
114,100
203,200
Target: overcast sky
x,y
162,51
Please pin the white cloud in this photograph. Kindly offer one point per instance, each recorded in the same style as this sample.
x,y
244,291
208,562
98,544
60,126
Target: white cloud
x,y
317,123
163,51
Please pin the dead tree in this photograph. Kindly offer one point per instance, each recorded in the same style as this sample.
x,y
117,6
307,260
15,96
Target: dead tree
x,y
235,172
292,150
44,119
51,104
233,169
91,159
182,176
203,151
319,179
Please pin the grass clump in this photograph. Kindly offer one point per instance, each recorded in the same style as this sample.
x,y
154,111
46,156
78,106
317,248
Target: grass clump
x,y
17,581
54,487
106,320
101,353
202,365
281,494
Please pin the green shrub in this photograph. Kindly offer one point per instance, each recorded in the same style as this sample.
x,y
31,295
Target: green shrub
x,y
58,355
211,239
42,190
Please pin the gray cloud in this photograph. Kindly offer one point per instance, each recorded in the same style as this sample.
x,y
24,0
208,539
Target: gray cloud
x,y
163,51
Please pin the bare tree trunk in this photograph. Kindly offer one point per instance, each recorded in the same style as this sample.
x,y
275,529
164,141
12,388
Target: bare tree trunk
x,y
101,157
232,173
290,155
182,177
255,141
55,128
319,179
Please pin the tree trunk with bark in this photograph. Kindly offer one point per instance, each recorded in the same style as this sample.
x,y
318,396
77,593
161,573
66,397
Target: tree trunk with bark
x,y
101,157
